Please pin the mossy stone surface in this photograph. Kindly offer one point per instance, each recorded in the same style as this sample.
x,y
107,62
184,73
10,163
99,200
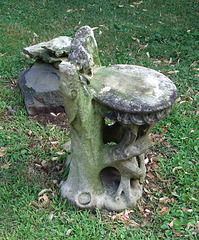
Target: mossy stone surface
x,y
133,89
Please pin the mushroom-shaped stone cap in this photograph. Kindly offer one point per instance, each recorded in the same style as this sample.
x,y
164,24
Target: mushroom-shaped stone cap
x,y
133,89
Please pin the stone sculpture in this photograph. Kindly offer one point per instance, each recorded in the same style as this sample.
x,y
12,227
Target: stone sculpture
x,y
107,167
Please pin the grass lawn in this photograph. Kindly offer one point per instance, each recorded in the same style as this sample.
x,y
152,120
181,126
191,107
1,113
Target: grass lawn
x,y
159,34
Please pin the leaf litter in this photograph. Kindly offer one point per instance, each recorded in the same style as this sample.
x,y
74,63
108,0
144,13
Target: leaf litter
x,y
43,201
3,151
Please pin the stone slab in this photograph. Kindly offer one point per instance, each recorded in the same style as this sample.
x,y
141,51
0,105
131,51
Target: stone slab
x,y
55,50
40,86
133,89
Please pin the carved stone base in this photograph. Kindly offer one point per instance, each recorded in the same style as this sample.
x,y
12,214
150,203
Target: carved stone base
x,y
113,175
107,167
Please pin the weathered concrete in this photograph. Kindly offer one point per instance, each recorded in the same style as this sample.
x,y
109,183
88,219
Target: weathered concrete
x,y
133,94
107,167
110,176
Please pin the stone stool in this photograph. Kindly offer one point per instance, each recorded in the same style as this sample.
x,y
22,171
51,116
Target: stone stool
x,y
107,168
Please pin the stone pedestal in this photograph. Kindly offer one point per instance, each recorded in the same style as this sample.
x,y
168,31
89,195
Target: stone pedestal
x,y
107,161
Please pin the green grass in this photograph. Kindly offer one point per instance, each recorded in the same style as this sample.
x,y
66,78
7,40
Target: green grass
x,y
162,35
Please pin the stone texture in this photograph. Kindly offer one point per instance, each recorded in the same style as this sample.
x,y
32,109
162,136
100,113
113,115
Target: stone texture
x,y
55,50
107,168
84,51
111,176
133,94
100,175
40,86
133,89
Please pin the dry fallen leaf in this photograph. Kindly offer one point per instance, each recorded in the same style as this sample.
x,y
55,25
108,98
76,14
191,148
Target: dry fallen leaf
x,y
184,209
197,226
44,191
3,54
137,3
164,199
51,216
171,72
71,10
171,223
154,165
60,153
55,181
35,34
164,209
149,174
147,191
163,128
158,175
2,151
123,216
44,200
134,224
54,142
68,232
178,233
34,204
148,54
29,133
6,166
179,167
146,160
32,41
52,128
94,28
140,208
188,226
190,98
154,159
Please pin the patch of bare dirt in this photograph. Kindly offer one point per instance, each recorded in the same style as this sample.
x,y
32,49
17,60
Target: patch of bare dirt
x,y
59,119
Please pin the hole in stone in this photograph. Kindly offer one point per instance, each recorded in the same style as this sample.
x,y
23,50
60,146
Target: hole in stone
x,y
88,72
142,130
134,183
51,54
112,132
109,122
138,161
122,193
93,102
110,178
